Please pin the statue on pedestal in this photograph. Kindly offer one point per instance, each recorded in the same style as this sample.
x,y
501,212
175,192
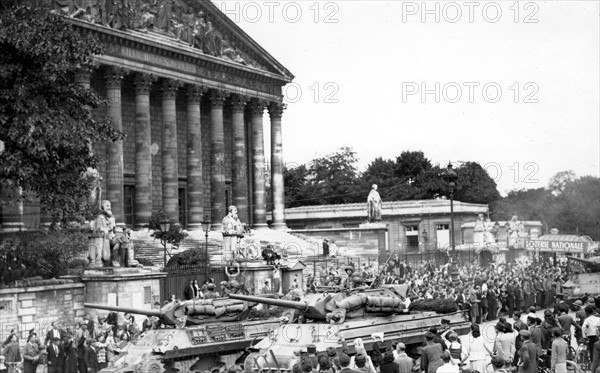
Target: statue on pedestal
x,y
374,205
232,231
478,231
104,227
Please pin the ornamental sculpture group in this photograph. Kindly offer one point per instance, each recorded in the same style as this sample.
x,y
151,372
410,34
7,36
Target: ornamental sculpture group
x,y
108,247
171,18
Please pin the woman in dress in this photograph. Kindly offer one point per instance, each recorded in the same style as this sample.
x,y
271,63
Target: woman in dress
x,y
475,350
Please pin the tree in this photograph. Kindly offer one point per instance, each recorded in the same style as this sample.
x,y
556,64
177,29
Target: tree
x,y
46,118
558,182
381,172
578,207
332,179
474,185
294,179
528,204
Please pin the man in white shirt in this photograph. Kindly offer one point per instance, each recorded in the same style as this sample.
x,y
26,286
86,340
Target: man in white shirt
x,y
590,329
448,366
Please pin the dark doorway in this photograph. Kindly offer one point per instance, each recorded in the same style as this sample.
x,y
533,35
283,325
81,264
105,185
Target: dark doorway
x,y
129,191
485,258
183,207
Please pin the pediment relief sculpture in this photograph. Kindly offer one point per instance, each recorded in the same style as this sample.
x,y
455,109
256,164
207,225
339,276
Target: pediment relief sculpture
x,y
167,18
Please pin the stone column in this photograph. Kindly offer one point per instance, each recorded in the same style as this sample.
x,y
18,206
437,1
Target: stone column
x,y
240,161
217,159
143,154
114,150
194,158
277,188
259,210
170,170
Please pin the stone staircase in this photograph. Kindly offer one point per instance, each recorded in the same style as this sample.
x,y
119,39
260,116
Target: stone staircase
x,y
153,250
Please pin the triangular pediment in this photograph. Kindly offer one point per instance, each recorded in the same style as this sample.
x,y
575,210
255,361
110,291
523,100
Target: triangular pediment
x,y
195,25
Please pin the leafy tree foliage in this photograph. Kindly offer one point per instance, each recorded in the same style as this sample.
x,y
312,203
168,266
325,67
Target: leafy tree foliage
x,y
43,254
174,235
475,185
46,120
411,176
333,179
572,205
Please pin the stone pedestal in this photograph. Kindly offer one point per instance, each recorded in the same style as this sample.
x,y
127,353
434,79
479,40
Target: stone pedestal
x,y
256,273
122,287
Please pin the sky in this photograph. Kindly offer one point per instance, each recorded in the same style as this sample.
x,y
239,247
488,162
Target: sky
x,y
511,85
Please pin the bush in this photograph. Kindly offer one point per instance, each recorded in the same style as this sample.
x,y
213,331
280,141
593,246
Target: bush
x,y
145,262
46,254
435,305
195,256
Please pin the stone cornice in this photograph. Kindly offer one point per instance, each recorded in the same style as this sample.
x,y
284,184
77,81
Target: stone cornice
x,y
121,43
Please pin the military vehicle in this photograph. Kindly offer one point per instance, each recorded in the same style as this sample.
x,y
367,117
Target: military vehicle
x,y
194,336
324,319
583,284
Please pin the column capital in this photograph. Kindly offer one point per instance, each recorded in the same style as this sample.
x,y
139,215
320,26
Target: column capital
x,y
169,88
195,92
276,109
114,77
238,102
257,107
143,83
217,97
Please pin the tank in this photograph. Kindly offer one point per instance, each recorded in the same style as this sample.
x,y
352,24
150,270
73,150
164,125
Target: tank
x,y
581,286
323,320
195,336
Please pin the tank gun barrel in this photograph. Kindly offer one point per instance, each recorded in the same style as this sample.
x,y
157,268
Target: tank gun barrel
x,y
136,311
302,306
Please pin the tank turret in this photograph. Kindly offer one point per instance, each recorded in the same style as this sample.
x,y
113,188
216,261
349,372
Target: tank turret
x,y
191,312
337,307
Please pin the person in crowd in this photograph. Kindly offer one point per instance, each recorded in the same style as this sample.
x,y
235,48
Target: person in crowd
x,y
70,361
448,366
197,290
190,291
518,324
12,352
266,289
52,333
431,354
31,353
56,356
591,328
405,362
596,359
527,354
101,352
387,363
91,356
475,351
344,361
558,357
112,350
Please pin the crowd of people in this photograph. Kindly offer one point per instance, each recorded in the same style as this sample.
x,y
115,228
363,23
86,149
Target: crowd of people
x,y
518,346
85,348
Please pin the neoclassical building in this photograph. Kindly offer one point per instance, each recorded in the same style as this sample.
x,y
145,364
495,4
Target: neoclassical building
x,y
190,89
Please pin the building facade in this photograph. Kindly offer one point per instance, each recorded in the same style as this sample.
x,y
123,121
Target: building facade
x,y
409,227
189,89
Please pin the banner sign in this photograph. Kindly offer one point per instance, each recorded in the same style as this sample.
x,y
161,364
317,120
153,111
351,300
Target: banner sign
x,y
557,246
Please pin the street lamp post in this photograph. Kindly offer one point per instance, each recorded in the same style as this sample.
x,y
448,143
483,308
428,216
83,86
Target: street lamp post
x,y
165,226
450,177
206,224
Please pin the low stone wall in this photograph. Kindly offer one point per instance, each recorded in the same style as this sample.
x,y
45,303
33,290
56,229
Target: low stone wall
x,y
35,307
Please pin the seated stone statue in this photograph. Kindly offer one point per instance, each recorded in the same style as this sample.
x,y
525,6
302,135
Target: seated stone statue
x,y
123,251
